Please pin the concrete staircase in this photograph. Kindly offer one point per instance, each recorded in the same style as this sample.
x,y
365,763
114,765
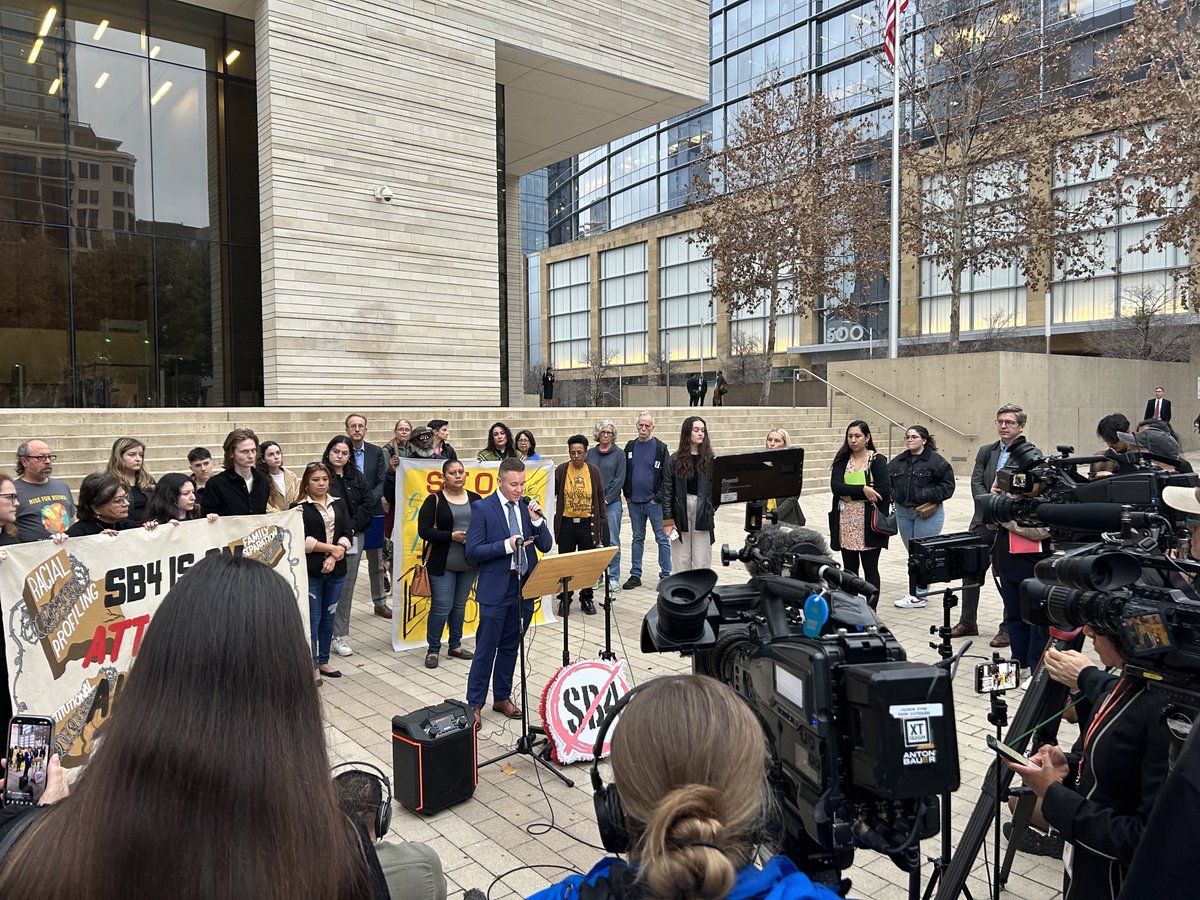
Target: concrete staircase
x,y
82,439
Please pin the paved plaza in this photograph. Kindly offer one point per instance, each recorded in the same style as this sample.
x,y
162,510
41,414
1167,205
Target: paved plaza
x,y
506,824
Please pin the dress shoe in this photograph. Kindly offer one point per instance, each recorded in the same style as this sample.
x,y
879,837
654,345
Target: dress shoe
x,y
460,653
1000,640
962,629
588,607
478,711
384,612
431,660
330,673
632,582
507,708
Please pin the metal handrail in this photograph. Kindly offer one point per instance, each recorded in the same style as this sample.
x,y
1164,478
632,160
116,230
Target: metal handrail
x,y
916,409
892,423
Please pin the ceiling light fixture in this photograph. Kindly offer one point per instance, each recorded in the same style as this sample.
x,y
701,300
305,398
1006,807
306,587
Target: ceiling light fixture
x,y
55,85
34,51
232,56
51,14
154,51
102,80
100,29
158,95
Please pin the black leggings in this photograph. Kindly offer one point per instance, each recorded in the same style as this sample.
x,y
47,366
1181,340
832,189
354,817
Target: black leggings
x,y
870,565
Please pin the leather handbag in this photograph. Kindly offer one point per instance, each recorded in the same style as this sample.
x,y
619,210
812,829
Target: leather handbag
x,y
881,523
419,585
925,510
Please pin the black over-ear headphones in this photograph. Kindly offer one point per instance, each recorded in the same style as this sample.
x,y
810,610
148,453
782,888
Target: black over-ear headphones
x,y
610,817
383,815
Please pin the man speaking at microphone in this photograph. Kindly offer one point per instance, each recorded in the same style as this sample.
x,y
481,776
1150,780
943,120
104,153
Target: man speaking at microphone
x,y
503,528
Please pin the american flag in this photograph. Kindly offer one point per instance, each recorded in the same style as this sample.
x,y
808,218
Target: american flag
x,y
889,29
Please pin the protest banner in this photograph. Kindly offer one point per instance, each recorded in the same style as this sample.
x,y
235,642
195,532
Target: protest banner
x,y
75,613
416,479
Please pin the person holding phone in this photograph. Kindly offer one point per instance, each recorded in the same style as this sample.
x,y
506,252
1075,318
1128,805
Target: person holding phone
x,y
327,538
1100,794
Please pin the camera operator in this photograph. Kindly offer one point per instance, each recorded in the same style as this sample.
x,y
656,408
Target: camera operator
x,y
1109,430
1093,796
688,802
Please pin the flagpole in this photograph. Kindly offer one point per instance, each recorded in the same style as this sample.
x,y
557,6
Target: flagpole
x,y
894,268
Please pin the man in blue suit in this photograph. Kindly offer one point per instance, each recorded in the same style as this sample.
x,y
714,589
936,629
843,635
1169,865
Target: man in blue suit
x,y
498,539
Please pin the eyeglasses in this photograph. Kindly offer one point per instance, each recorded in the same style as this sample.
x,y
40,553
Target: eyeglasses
x,y
1011,423
123,500
11,498
607,431
43,457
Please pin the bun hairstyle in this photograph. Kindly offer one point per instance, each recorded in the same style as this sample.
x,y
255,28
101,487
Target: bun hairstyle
x,y
692,793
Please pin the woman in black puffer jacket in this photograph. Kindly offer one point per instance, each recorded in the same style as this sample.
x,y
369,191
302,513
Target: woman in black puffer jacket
x,y
921,481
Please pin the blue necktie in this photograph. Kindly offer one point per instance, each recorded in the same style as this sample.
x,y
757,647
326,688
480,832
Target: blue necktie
x,y
515,528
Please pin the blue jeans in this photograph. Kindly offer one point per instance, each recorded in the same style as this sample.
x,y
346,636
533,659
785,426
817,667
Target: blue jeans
x,y
448,604
614,539
913,526
638,514
1026,642
323,593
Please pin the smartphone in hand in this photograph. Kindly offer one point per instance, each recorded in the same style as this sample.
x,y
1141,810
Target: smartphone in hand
x,y
29,747
1007,752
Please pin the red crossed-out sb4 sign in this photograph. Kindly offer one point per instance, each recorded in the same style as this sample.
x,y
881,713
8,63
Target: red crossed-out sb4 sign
x,y
575,702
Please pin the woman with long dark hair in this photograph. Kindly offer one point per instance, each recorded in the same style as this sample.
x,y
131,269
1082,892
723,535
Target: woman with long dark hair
x,y
860,484
174,500
689,514
442,524
500,444
689,799
921,481
327,537
284,483
350,485
127,463
216,738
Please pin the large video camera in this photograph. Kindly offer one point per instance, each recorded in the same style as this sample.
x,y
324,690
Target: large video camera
x,y
862,740
1134,593
1052,492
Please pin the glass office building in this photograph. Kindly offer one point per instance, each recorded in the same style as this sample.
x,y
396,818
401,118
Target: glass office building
x,y
129,213
648,175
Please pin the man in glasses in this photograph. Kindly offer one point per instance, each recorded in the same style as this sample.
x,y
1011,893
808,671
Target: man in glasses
x,y
44,505
645,462
1010,422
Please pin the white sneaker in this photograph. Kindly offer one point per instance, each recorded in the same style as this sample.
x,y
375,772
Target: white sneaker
x,y
616,587
339,646
910,602
599,585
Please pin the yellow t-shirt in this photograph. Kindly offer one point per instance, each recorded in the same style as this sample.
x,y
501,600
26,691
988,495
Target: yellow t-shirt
x,y
577,492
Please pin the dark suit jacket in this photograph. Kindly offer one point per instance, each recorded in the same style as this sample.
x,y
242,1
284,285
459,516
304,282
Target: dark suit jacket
x,y
485,546
983,476
1166,409
375,469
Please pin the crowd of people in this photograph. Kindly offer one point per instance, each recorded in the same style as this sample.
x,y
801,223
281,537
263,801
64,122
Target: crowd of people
x,y
685,837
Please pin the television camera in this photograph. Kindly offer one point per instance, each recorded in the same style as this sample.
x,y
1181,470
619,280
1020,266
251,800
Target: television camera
x,y
862,740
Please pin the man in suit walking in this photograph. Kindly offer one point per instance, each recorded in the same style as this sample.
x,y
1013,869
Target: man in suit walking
x,y
1010,423
502,538
1158,407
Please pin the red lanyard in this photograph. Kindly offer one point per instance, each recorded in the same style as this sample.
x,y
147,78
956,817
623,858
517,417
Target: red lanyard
x,y
1110,702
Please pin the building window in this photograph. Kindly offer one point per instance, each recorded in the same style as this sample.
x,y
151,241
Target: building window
x,y
623,304
748,328
569,332
684,299
1126,274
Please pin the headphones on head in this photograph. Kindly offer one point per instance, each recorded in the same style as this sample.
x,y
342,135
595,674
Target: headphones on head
x,y
383,815
610,816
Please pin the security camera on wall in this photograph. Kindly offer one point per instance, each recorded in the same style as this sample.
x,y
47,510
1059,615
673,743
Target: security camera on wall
x,y
384,193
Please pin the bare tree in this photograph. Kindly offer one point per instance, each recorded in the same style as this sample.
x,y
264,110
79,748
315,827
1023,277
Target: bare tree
x,y
658,366
1147,90
983,136
787,223
1144,329
533,379
747,363
600,370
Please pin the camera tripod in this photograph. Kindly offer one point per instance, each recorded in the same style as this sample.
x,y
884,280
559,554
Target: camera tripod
x,y
1043,701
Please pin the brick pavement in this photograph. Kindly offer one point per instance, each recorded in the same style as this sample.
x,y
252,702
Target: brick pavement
x,y
498,829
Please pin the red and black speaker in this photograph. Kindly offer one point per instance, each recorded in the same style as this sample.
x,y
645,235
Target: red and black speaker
x,y
434,756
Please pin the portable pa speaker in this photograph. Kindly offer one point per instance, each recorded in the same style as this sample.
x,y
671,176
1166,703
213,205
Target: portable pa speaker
x,y
434,756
